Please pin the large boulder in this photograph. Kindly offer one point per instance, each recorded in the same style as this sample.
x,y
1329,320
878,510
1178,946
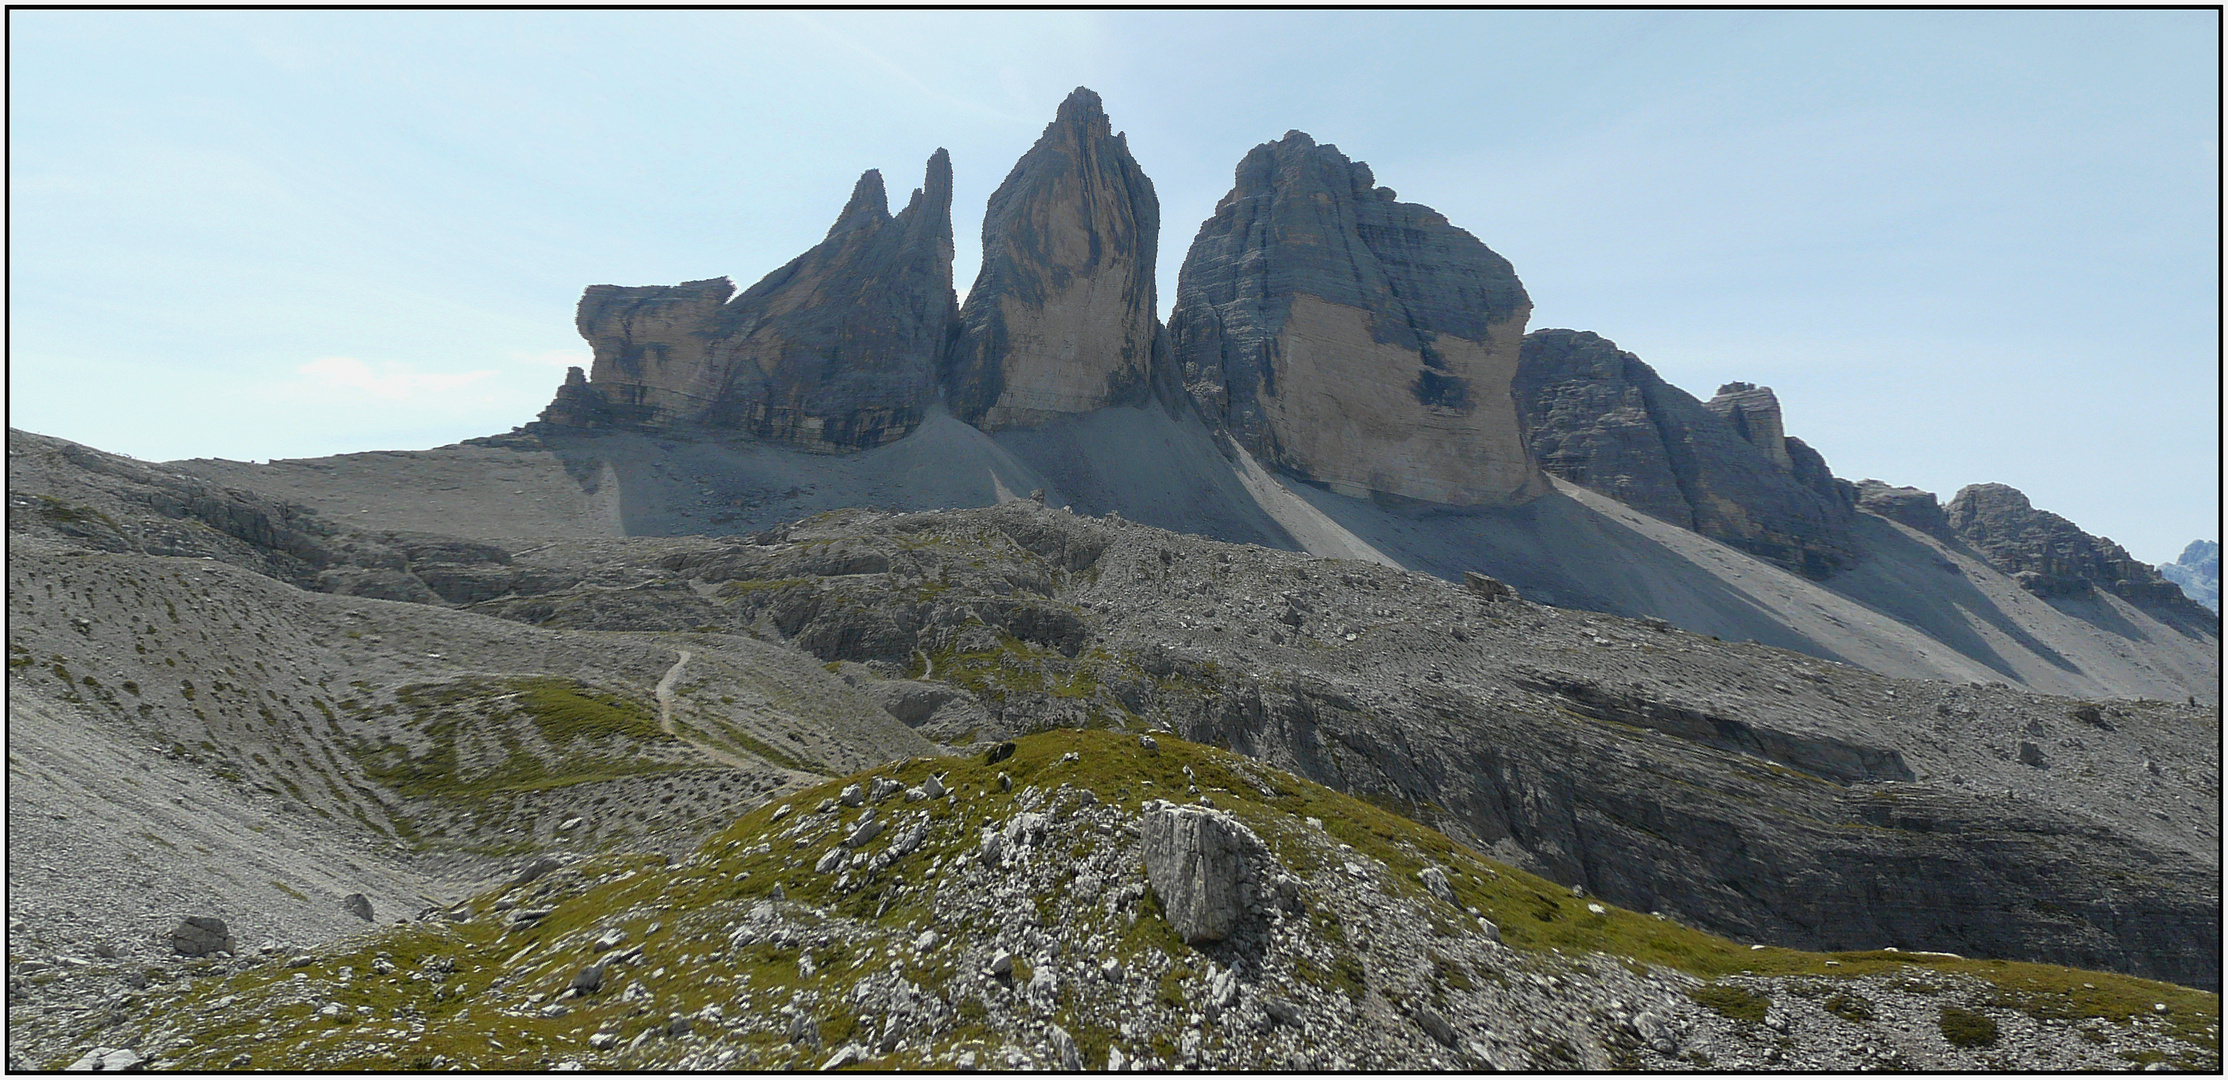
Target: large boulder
x,y
1204,866
1356,340
1063,317
836,350
200,935
1598,416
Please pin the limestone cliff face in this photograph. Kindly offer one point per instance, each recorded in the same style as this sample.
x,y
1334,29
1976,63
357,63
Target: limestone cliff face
x,y
1063,317
836,350
2050,556
1754,413
1354,339
1600,417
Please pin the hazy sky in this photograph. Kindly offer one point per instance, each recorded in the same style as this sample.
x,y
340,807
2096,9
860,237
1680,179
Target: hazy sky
x,y
1963,246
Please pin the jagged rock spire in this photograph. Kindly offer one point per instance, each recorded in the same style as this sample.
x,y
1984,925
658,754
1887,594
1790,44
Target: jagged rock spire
x,y
837,349
1062,319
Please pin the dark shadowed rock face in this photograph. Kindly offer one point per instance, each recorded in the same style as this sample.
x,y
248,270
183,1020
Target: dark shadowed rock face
x,y
2050,556
1356,340
1063,317
1598,416
836,350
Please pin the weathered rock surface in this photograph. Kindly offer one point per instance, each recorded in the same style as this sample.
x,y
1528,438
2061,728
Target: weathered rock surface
x,y
2051,557
2197,572
1754,413
1358,341
1918,509
836,350
1600,417
1200,864
1062,318
200,935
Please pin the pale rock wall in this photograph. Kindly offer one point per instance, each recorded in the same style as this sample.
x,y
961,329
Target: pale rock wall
x,y
1368,433
1352,339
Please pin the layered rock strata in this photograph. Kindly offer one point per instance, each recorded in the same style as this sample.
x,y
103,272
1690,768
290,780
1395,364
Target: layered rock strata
x,y
1356,340
1063,317
1918,509
2050,556
1598,416
836,350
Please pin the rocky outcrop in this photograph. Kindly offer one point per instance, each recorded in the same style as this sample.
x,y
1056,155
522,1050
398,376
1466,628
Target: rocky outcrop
x,y
1918,509
1754,413
836,350
1356,340
2197,572
2051,557
1063,318
1202,864
1600,417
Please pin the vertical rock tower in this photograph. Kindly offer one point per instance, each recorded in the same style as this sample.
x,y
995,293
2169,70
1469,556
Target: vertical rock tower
x,y
1062,319
1354,339
836,350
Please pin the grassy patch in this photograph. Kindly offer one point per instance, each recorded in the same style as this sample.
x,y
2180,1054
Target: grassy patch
x,y
1966,1028
1732,1002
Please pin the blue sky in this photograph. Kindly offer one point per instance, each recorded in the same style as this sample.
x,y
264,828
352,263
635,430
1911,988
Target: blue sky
x,y
1963,246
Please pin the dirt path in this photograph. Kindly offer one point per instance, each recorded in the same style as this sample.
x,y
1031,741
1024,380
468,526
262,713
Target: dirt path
x,y
665,720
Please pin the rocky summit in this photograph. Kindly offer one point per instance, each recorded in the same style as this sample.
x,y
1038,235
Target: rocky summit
x,y
1601,417
1360,341
837,349
2197,572
1062,319
1338,679
2051,556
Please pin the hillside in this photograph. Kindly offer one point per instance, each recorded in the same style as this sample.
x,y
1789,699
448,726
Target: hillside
x,y
1912,606
1032,912
1657,767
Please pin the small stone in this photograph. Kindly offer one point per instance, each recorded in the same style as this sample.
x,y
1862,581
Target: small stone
x,y
926,941
1005,783
934,787
587,980
1434,1025
1147,742
677,1026
852,795
553,1011
241,1061
105,951
1001,965
534,870
1600,910
998,753
780,812
884,787
603,1040
610,939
